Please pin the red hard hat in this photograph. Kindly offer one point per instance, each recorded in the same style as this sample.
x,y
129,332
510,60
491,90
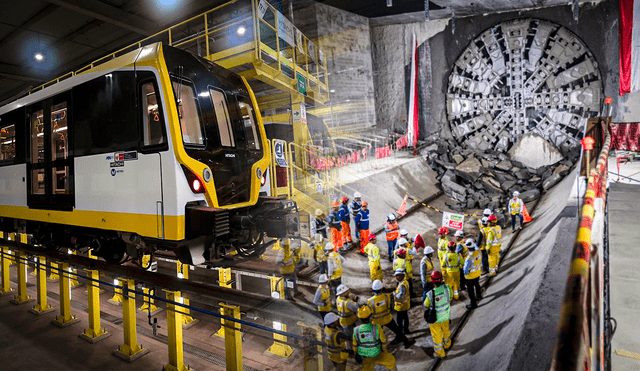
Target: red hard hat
x,y
492,218
345,200
372,236
335,203
436,276
451,243
402,251
443,230
364,203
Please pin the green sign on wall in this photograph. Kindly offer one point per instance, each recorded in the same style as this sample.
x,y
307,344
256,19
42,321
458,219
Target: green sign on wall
x,y
302,84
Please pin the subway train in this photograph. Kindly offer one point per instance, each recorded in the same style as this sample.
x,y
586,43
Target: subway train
x,y
157,149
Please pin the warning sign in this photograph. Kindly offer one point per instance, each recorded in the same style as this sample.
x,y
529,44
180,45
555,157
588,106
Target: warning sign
x,y
451,220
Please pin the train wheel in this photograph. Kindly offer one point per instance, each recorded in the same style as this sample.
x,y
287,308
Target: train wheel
x,y
113,251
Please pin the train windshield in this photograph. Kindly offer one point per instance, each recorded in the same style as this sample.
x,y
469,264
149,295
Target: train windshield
x,y
190,119
249,120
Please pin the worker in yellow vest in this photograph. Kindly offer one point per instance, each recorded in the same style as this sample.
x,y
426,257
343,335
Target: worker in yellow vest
x,y
402,301
380,304
336,342
462,250
472,270
322,299
440,296
318,254
335,270
404,261
494,245
481,242
347,310
451,270
426,267
373,254
443,244
287,266
515,209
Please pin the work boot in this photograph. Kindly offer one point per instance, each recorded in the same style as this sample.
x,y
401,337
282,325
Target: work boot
x,y
470,306
409,343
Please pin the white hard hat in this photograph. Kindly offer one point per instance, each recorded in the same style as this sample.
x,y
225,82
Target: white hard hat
x,y
317,237
484,220
516,193
428,250
399,271
357,195
330,318
402,241
342,288
323,278
328,246
377,285
469,242
319,212
404,232
459,233
391,216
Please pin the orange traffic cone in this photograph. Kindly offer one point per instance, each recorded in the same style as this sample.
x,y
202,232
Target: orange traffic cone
x,y
402,210
525,214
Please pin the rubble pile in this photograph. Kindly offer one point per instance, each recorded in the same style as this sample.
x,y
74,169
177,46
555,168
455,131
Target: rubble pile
x,y
481,179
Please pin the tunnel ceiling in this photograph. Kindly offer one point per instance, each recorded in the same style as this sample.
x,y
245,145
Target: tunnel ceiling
x,y
522,76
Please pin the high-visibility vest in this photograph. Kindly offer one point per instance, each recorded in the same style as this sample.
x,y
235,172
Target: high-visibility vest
x,y
404,264
347,317
443,248
426,265
367,338
373,252
325,296
335,347
392,228
288,264
452,262
402,303
493,239
515,206
320,255
379,304
334,220
443,302
475,270
465,250
337,265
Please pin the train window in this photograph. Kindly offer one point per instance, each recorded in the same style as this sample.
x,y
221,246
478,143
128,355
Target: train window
x,y
249,120
37,181
8,143
59,132
61,180
222,116
37,137
151,117
190,121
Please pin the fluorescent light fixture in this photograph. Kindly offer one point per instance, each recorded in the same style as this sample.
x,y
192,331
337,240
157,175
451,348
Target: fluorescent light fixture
x,y
204,94
332,91
241,30
108,75
38,56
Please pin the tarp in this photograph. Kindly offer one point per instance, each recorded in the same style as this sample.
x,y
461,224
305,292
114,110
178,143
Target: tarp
x,y
629,30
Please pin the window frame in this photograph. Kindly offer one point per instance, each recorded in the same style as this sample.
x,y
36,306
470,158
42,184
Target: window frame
x,y
151,148
231,129
184,81
16,156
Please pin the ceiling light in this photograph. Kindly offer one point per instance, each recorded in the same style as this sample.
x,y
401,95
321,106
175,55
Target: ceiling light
x,y
39,57
241,30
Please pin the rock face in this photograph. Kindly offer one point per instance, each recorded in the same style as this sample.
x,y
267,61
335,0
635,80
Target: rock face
x,y
534,151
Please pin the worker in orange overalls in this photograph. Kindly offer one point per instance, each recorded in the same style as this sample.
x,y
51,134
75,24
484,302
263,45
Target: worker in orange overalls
x,y
362,225
345,221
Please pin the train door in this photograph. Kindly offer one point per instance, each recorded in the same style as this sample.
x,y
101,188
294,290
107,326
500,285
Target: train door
x,y
50,182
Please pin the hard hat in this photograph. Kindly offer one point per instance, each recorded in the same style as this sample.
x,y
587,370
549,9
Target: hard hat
x,y
399,271
428,250
436,276
372,236
319,212
365,203
459,233
484,220
317,237
469,242
364,311
357,195
486,212
402,241
404,232
402,251
330,318
345,200
443,230
451,243
323,278
335,203
516,193
493,218
328,246
391,217
342,288
377,285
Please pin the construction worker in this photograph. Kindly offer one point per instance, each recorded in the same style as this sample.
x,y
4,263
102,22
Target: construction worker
x,y
287,266
335,225
335,271
391,229
362,225
347,310
515,209
440,329
355,206
493,245
472,269
426,267
318,254
380,305
481,242
336,342
462,250
345,223
443,244
404,260
322,299
451,270
485,214
370,344
402,301
299,261
404,234
373,254
320,224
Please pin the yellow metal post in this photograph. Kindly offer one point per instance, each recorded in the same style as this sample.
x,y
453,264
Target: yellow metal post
x,y
148,303
21,260
187,320
313,361
72,276
5,289
279,346
224,280
94,333
174,333
117,293
130,350
232,338
65,318
54,276
42,306
277,287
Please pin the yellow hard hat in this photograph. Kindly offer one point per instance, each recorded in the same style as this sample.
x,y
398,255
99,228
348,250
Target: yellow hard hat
x,y
364,311
319,212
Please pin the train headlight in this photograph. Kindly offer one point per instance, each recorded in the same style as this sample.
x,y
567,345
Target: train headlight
x,y
206,175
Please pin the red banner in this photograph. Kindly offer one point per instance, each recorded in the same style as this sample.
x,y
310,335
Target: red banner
x,y
625,137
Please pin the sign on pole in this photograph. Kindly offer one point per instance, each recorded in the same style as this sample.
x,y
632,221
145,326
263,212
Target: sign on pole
x,y
451,220
278,149
302,84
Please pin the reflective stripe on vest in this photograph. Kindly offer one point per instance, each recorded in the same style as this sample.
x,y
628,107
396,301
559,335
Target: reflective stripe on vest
x,y
337,266
289,265
379,305
347,317
456,266
492,237
402,303
368,340
443,306
325,295
476,265
333,346
516,206
393,231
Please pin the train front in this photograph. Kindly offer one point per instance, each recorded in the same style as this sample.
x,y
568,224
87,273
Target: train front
x,y
224,154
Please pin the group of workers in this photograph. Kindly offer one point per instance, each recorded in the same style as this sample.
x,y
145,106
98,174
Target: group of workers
x,y
337,226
